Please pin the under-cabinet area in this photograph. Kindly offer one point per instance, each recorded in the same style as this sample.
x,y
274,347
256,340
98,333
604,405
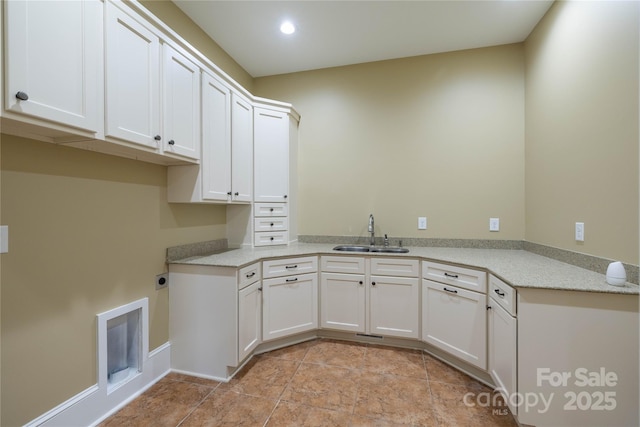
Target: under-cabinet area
x,y
467,316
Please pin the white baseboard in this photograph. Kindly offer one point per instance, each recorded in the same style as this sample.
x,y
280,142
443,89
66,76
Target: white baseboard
x,y
94,405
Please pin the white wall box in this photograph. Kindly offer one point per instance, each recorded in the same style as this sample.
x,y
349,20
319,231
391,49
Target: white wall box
x,y
53,70
502,340
453,318
355,299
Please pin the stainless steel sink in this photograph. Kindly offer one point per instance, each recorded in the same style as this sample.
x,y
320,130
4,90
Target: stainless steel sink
x,y
362,248
389,249
351,248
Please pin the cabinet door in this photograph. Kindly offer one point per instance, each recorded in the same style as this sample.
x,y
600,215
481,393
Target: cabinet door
x,y
181,105
502,351
290,305
54,56
241,149
394,306
216,139
342,302
132,78
249,319
271,154
454,320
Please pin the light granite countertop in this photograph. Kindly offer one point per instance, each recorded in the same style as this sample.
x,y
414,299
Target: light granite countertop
x,y
519,268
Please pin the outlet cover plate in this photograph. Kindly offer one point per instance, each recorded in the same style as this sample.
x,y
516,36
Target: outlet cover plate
x,y
494,224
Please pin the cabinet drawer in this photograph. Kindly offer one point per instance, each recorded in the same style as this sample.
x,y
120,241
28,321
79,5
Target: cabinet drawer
x,y
395,267
467,278
271,209
503,294
342,264
249,274
289,266
271,238
271,224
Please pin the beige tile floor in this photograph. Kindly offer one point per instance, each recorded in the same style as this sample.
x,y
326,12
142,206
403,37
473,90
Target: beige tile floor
x,y
320,383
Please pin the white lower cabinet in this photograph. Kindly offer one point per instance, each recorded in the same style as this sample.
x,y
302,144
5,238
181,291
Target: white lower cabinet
x,y
454,320
364,302
290,303
249,319
503,332
215,318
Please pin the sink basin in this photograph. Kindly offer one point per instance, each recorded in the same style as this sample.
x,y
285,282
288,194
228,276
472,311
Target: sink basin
x,y
361,248
389,249
351,248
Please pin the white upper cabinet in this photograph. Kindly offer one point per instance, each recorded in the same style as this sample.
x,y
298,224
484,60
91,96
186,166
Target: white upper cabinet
x,y
54,65
216,139
132,80
241,149
181,102
271,154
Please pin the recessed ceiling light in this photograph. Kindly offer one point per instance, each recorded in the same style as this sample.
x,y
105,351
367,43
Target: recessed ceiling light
x,y
287,27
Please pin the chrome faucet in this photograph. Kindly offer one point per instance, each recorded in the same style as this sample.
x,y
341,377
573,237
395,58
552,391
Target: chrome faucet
x,y
372,239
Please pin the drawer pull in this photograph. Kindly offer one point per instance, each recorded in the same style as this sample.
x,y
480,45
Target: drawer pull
x,y
260,288
251,275
453,291
290,267
453,276
497,291
295,279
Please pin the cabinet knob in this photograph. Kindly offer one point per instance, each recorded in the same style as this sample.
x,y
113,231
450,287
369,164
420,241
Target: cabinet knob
x,y
171,142
373,283
488,307
228,193
260,289
285,196
271,224
271,210
271,238
157,138
236,193
360,282
22,96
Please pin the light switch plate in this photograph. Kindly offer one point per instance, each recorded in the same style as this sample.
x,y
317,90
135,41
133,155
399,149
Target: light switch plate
x,y
422,223
580,231
494,224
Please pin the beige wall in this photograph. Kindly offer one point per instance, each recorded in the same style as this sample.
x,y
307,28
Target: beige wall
x,y
582,128
171,15
440,136
88,233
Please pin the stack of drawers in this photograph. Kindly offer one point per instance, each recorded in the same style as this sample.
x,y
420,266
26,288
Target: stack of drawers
x,y
271,224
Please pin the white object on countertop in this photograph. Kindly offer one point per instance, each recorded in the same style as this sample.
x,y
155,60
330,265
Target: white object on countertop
x,y
616,274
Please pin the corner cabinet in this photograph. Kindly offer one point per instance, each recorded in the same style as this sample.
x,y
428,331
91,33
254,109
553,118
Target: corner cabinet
x,y
454,306
54,67
290,288
275,170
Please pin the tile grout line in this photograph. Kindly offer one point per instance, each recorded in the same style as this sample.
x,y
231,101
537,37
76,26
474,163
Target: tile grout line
x,y
198,405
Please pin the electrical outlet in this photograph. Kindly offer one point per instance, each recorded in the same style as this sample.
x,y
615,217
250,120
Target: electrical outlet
x,y
580,231
162,281
494,224
422,223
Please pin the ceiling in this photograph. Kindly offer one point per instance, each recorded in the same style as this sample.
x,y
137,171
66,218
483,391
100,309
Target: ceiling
x,y
335,33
